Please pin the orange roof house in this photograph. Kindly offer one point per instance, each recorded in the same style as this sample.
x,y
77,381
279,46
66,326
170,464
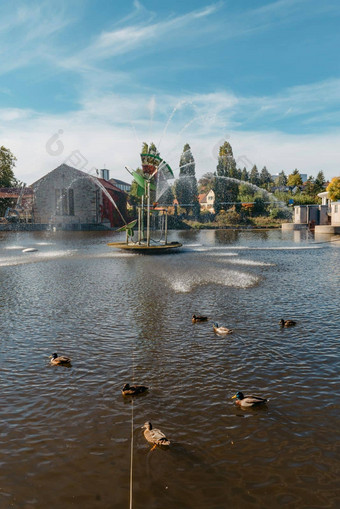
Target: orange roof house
x,y
207,201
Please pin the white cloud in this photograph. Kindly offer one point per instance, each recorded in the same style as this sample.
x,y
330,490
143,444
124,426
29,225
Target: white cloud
x,y
110,131
109,127
26,32
140,36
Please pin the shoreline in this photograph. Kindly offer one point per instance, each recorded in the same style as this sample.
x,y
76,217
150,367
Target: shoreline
x,y
28,227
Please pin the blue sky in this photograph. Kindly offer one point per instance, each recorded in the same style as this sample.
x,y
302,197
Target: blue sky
x,y
86,82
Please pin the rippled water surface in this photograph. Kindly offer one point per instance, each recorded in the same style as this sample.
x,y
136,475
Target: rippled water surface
x,y
65,433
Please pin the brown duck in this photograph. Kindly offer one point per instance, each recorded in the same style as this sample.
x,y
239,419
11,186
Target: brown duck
x,y
133,390
199,318
154,436
60,360
287,323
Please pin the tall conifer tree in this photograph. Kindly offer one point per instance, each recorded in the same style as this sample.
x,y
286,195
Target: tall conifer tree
x,y
254,176
186,186
226,191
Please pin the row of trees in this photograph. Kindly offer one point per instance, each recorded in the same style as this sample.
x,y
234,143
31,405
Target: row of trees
x,y
231,184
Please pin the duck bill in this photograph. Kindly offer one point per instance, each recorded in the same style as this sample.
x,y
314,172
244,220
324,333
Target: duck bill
x,y
233,397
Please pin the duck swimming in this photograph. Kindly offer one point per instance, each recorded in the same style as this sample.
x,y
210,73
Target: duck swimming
x,y
221,330
287,323
199,318
154,436
60,360
133,390
248,401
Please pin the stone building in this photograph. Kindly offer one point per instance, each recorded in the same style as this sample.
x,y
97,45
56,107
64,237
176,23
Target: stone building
x,y
71,199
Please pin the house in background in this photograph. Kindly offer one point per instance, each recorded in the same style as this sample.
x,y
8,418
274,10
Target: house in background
x,y
71,199
124,186
207,201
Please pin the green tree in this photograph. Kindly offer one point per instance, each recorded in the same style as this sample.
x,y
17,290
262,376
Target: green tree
x,y
226,191
309,187
7,163
294,179
246,193
7,179
259,208
281,180
254,176
134,197
333,189
265,178
319,182
206,182
167,197
244,175
186,186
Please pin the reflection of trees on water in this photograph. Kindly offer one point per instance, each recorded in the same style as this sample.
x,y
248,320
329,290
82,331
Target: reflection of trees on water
x,y
262,234
226,236
258,234
188,235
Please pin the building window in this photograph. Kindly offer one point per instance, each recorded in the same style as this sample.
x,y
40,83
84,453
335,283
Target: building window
x,y
57,202
335,209
70,202
64,202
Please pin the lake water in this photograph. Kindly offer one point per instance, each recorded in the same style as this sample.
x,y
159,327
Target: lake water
x,y
65,433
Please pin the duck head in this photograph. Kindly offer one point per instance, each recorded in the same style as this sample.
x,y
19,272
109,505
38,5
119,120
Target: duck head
x,y
282,322
126,387
147,425
238,395
53,356
216,324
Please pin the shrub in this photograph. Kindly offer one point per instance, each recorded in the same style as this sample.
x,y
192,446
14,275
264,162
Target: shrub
x,y
277,213
206,216
230,217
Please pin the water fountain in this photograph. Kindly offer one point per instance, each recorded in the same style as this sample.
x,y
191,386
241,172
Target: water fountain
x,y
154,168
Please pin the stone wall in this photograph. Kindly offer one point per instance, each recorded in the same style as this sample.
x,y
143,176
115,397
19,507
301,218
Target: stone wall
x,y
66,196
336,213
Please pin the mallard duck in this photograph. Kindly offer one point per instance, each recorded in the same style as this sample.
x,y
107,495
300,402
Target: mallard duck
x,y
248,401
154,436
60,360
132,390
221,330
287,323
199,318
